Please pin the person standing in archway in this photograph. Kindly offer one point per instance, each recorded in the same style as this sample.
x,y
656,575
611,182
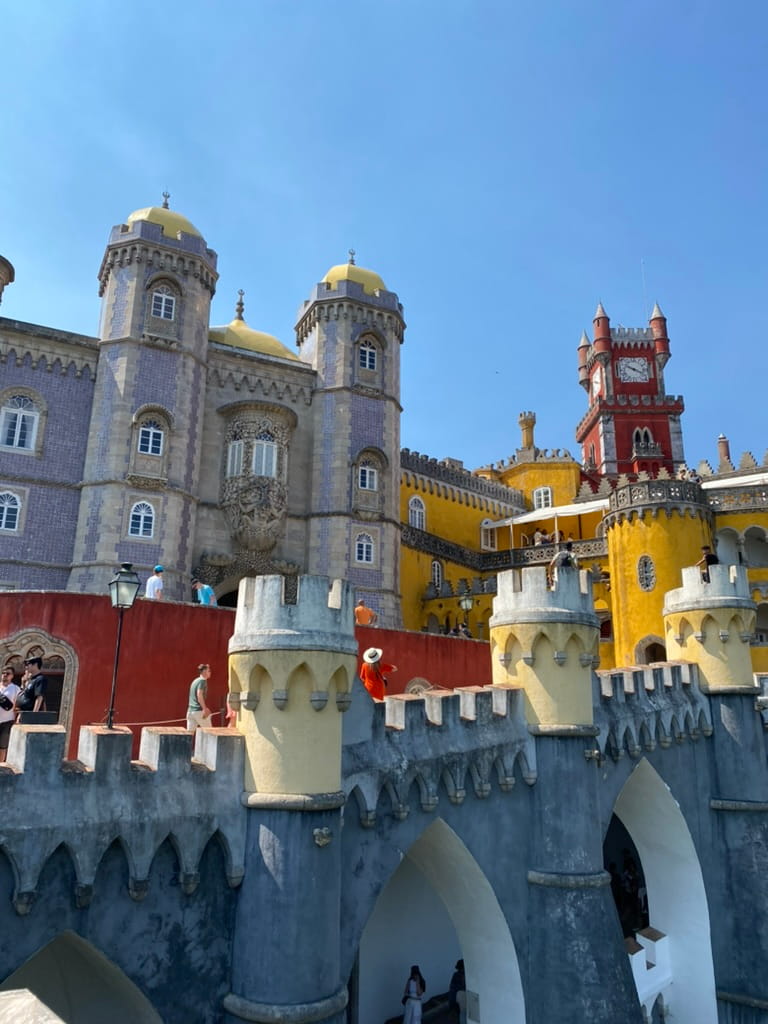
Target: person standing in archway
x,y
414,990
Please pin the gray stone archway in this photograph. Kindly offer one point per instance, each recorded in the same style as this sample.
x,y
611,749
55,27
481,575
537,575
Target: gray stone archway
x,y
439,906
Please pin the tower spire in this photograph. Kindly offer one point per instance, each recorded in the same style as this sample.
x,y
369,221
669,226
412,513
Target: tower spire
x,y
352,257
166,197
240,307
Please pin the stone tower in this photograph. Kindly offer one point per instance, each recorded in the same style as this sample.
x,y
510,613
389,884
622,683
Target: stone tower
x,y
292,662
350,331
138,500
631,425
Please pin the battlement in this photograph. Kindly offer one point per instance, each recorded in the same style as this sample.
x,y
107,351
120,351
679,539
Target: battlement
x,y
727,587
443,471
308,614
433,746
640,707
640,336
86,804
525,595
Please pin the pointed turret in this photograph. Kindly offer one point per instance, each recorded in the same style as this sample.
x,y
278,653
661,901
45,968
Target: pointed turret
x,y
583,350
601,329
7,274
658,324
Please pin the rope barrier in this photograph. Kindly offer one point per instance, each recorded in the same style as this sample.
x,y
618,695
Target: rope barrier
x,y
167,721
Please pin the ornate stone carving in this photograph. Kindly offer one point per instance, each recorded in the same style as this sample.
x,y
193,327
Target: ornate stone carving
x,y
255,508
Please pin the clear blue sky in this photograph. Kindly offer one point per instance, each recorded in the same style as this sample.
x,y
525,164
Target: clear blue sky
x,y
502,165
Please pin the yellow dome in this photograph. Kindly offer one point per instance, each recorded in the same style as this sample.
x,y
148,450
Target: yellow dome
x,y
370,281
170,221
240,335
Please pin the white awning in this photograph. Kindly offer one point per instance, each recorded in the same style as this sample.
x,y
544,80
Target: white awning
x,y
555,512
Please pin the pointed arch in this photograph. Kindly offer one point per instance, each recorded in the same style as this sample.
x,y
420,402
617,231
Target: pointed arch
x,y
457,914
677,900
72,978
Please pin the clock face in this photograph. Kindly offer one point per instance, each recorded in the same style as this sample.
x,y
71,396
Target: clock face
x,y
597,380
633,368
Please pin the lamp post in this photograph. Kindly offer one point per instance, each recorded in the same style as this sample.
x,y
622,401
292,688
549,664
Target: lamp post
x,y
123,588
466,603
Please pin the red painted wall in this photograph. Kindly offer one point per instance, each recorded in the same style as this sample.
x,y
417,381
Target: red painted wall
x,y
163,643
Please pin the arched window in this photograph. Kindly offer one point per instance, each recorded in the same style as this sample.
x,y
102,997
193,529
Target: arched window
x,y
416,513
364,549
265,455
646,573
368,356
18,423
9,511
142,522
436,574
368,478
151,436
163,303
542,497
235,453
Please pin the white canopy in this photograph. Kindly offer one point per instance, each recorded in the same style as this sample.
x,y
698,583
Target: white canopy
x,y
555,512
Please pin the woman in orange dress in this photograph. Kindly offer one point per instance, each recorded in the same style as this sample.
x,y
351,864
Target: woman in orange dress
x,y
373,672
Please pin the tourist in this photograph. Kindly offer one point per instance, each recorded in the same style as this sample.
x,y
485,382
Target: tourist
x,y
708,557
154,588
372,672
31,696
414,990
8,692
197,708
203,593
364,616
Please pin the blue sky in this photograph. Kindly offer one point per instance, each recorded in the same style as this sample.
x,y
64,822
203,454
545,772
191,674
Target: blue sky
x,y
503,166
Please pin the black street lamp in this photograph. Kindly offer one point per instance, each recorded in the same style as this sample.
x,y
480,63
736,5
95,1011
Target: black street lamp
x,y
466,603
123,588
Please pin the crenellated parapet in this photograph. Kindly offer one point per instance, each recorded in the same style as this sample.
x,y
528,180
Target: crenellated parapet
x,y
710,621
642,707
171,791
414,751
544,638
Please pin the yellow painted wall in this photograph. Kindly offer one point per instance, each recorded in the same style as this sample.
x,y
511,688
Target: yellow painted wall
x,y
672,542
563,477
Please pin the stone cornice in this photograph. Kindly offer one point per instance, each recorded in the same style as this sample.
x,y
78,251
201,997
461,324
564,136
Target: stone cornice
x,y
124,252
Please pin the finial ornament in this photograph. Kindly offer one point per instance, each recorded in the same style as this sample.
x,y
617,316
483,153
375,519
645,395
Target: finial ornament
x,y
240,307
352,257
166,197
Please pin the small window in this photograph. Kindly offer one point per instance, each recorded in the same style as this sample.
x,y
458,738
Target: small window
x,y
367,356
9,511
265,455
487,536
151,438
163,304
542,497
646,573
416,516
235,458
368,479
142,522
364,549
18,423
436,574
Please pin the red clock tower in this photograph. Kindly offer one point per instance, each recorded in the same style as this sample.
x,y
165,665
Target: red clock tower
x,y
631,425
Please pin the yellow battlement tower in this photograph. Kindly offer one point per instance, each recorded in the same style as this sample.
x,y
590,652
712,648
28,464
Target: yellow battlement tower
x,y
289,705
709,621
544,638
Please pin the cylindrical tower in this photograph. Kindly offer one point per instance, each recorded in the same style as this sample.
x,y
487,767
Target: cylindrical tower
x,y
292,661
653,528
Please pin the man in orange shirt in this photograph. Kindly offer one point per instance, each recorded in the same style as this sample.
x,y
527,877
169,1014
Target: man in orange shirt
x,y
364,616
372,672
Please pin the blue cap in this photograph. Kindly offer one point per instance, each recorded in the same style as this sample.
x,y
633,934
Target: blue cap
x,y
159,568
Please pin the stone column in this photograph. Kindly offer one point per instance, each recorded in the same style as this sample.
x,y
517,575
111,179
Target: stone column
x,y
292,661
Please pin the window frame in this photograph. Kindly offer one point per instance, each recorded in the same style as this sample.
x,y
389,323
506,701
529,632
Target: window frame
x,y
139,517
152,431
436,574
16,505
417,513
365,548
162,296
235,457
542,498
26,417
368,356
265,449
488,536
367,476
646,573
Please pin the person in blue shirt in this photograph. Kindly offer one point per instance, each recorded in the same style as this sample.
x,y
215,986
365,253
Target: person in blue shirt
x,y
203,593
